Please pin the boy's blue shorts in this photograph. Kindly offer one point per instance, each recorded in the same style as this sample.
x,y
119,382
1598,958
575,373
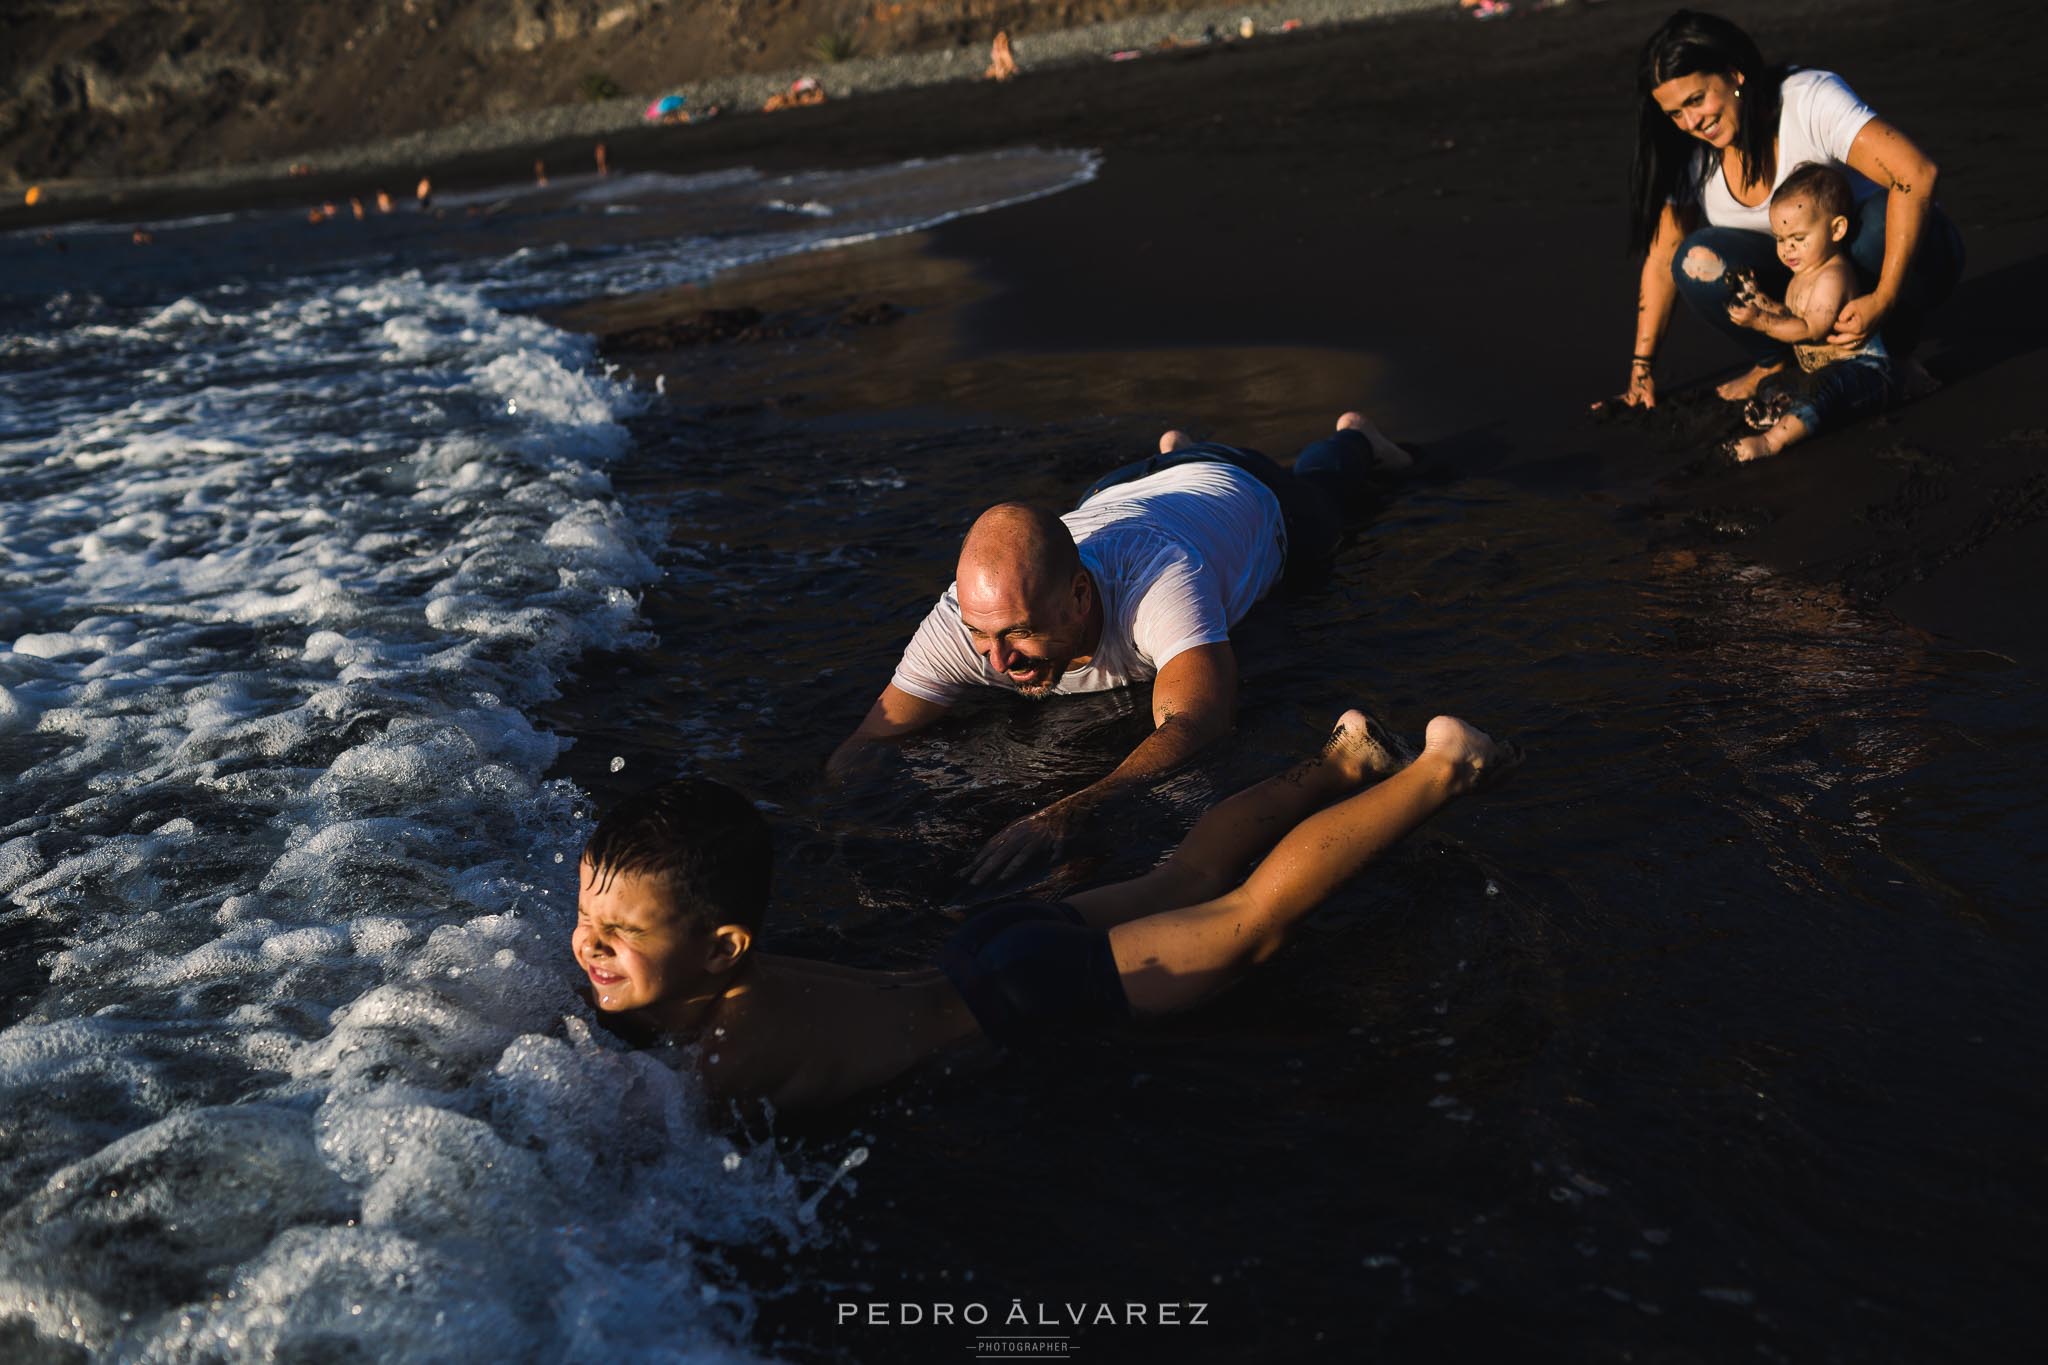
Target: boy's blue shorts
x,y
1031,970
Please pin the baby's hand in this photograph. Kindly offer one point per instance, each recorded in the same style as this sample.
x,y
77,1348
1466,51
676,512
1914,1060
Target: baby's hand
x,y
1744,313
1743,285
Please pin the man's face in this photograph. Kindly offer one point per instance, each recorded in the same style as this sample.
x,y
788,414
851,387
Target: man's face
x,y
630,942
1031,643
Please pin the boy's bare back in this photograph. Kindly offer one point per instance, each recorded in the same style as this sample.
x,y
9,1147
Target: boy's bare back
x,y
804,1034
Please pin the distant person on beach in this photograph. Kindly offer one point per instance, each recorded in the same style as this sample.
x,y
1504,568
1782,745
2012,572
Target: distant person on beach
x,y
673,886
1002,62
1719,131
1834,383
1143,580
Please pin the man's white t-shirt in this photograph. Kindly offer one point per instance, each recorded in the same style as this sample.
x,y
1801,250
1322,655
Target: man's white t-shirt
x,y
1818,117
1178,558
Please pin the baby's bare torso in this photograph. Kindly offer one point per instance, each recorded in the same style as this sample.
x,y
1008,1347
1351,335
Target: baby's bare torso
x,y
1836,279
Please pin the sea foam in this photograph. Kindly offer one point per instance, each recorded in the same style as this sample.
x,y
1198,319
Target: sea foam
x,y
288,556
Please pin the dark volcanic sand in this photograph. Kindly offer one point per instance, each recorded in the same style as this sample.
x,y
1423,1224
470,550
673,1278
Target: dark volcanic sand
x,y
1746,1082
1736,985
1447,196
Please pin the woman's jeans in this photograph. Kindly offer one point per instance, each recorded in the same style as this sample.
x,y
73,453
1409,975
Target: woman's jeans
x,y
1936,266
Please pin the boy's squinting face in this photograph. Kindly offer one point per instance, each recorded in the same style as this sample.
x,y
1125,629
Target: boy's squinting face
x,y
1805,239
631,943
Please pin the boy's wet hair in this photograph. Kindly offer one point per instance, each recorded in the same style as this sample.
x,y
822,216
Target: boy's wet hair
x,y
1826,186
706,842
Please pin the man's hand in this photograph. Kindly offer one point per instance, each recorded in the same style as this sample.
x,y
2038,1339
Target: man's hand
x,y
894,714
1193,699
1041,834
1858,321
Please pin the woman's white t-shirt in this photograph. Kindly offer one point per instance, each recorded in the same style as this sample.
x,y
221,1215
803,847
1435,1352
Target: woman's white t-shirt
x,y
1818,117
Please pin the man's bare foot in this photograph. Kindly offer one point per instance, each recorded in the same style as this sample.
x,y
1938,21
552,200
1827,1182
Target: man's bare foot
x,y
1389,455
1361,749
1174,440
1743,387
1475,758
1748,448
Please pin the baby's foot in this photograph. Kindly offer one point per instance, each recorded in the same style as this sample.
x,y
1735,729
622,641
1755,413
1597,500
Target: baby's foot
x,y
1361,749
1748,448
1174,440
1743,386
1475,758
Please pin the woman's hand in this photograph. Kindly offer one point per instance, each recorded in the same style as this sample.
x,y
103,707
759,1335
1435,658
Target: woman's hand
x,y
1642,386
1858,321
1640,393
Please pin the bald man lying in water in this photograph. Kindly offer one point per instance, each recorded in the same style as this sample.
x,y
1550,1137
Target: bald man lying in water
x,y
1142,581
674,884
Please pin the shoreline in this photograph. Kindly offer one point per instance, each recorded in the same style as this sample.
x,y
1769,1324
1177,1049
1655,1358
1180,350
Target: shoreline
x,y
1330,192
446,150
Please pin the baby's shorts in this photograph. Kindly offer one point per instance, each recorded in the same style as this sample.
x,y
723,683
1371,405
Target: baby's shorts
x,y
1031,970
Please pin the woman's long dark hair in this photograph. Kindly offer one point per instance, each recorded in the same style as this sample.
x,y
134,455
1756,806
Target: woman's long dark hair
x,y
1690,43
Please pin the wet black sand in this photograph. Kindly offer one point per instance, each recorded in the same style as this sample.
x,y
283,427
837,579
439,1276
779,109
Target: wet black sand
x,y
1355,195
1716,1035
1710,1039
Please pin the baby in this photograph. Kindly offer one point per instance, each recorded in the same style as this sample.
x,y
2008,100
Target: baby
x,y
675,881
1810,221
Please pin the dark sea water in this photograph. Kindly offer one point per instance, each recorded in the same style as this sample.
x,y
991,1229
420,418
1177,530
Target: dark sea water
x,y
340,586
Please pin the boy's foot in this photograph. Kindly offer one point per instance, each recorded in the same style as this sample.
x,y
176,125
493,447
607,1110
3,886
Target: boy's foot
x,y
1362,750
1174,440
1743,386
1476,758
1389,455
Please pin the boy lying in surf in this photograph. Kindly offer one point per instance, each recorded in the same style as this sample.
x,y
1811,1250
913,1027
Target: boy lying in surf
x,y
674,883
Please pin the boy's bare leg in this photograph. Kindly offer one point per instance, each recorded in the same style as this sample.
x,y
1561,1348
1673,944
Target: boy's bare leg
x,y
1224,841
1787,430
1174,959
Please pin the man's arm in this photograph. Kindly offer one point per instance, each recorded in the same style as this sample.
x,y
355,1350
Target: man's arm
x,y
1194,700
894,714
